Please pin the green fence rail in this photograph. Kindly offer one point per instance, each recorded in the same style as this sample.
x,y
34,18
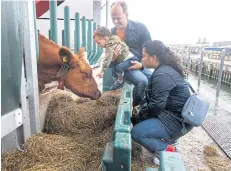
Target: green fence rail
x,y
89,39
53,21
83,33
77,32
117,154
67,26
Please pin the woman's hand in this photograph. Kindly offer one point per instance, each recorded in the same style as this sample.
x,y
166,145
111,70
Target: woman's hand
x,y
135,65
143,114
135,119
135,110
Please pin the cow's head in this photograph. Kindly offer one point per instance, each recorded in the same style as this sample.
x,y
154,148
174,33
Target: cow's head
x,y
79,77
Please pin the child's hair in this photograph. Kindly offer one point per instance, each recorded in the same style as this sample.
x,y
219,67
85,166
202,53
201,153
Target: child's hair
x,y
102,31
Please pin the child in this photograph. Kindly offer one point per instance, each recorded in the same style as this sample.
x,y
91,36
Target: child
x,y
104,39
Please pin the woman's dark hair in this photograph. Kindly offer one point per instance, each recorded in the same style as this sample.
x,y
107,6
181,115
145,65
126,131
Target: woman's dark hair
x,y
164,54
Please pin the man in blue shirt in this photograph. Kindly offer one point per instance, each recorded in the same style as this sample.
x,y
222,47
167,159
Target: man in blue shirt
x,y
133,33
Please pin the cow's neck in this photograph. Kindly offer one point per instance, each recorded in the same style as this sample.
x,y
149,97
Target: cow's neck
x,y
47,74
49,62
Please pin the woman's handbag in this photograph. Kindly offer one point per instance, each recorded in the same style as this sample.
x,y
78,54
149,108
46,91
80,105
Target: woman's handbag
x,y
194,110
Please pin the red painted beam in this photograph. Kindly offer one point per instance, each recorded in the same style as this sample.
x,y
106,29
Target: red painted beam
x,y
43,6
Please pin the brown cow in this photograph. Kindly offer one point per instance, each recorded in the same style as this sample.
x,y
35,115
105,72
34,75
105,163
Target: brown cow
x,y
78,77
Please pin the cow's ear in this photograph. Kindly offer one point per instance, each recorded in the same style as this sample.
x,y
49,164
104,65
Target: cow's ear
x,y
65,54
81,53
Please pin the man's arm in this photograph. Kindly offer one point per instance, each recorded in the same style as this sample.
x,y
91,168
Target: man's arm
x,y
145,36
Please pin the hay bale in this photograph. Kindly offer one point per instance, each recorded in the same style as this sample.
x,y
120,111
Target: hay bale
x,y
84,127
66,116
58,152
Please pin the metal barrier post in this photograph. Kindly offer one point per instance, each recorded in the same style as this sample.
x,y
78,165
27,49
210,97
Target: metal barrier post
x,y
49,33
94,47
31,71
77,32
89,40
84,37
107,7
220,73
36,33
63,38
200,70
99,53
67,26
53,21
188,61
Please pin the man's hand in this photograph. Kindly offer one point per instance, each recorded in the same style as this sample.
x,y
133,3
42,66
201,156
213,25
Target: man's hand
x,y
135,65
116,52
100,75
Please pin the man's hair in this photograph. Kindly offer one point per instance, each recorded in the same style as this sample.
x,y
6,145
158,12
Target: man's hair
x,y
123,4
102,31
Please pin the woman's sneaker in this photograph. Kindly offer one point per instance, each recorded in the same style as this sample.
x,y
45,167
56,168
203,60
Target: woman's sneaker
x,y
156,161
175,143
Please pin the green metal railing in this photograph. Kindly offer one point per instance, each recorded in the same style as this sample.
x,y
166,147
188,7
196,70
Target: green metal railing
x,y
95,49
117,154
89,40
83,33
67,26
77,32
53,21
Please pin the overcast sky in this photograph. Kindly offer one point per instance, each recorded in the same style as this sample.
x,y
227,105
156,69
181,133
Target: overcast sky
x,y
183,21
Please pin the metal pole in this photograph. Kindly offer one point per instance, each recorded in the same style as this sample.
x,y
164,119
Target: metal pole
x,y
36,32
100,51
67,26
188,62
200,70
77,32
49,33
89,40
220,73
107,7
53,21
94,47
63,38
31,70
84,36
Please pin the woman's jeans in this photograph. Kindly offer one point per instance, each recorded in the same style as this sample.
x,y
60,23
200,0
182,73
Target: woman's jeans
x,y
149,133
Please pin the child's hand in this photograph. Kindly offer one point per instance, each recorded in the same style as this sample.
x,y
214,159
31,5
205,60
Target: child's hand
x,y
100,75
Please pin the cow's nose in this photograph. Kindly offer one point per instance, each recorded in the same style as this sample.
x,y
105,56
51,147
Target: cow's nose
x,y
97,94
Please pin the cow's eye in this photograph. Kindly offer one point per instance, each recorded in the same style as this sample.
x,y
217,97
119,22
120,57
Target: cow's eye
x,y
87,75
